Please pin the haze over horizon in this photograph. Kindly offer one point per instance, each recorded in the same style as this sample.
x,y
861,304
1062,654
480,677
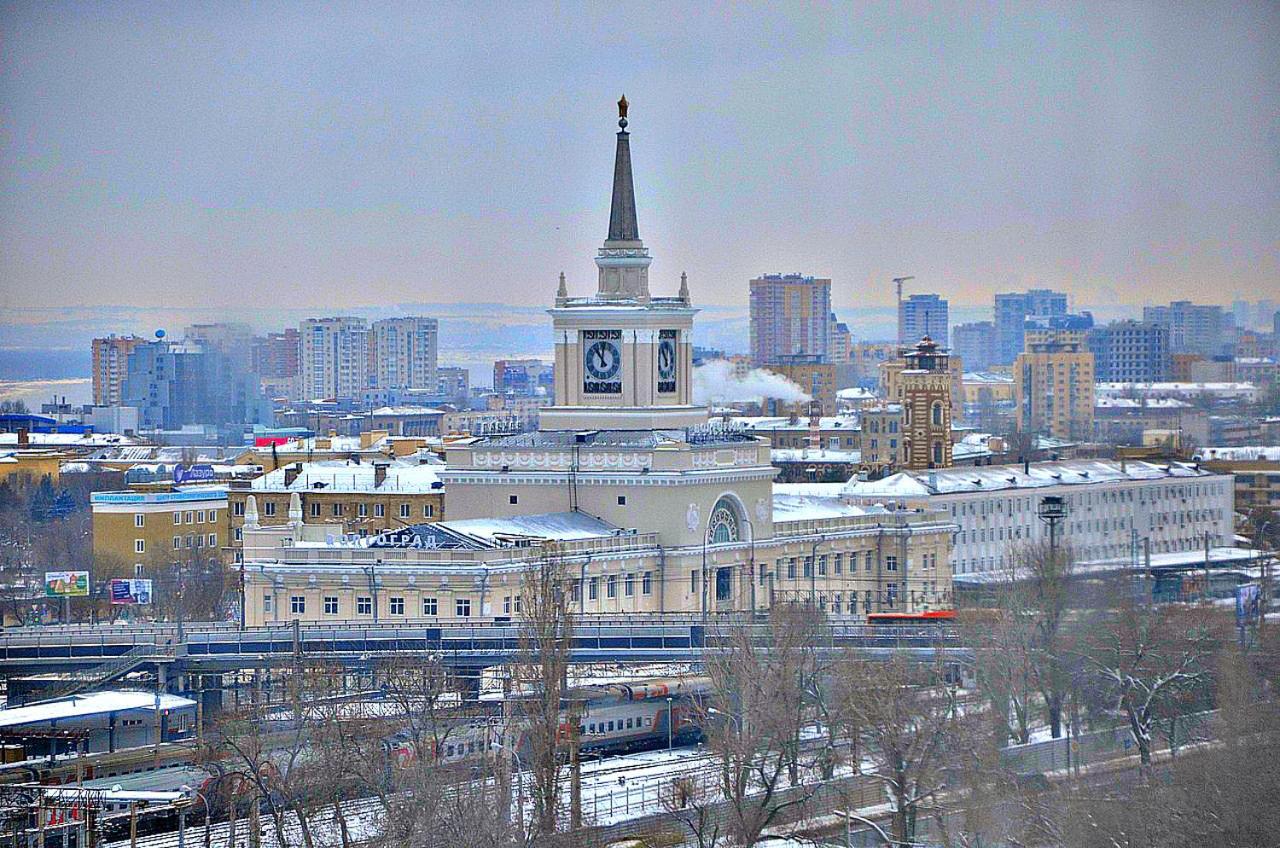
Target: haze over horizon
x,y
211,155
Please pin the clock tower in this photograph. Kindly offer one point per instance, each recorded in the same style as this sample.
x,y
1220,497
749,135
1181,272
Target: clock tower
x,y
624,358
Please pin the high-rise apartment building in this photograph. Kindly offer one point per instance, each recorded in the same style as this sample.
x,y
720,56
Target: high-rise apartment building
x,y
111,367
1130,352
923,315
1011,312
790,316
333,357
404,353
975,343
175,385
275,355
839,341
1193,328
1053,384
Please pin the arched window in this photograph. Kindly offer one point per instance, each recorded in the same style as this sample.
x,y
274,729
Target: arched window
x,y
937,414
937,453
723,524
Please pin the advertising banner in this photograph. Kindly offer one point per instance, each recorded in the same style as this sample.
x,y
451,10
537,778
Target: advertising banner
x,y
66,584
1248,603
130,592
193,473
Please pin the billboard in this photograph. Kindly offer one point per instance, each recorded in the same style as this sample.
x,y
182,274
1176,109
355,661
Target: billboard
x,y
66,584
193,474
1248,603
130,592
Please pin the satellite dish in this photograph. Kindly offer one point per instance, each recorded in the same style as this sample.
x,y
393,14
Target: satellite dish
x,y
159,334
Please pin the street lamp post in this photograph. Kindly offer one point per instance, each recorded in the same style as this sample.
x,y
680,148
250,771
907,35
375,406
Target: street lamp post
x,y
1052,511
671,720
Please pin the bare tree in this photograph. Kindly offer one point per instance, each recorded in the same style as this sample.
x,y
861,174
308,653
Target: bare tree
x,y
765,687
1004,643
903,711
1044,574
540,675
1145,658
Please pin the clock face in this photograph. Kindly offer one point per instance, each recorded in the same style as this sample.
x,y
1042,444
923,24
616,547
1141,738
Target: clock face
x,y
603,360
667,359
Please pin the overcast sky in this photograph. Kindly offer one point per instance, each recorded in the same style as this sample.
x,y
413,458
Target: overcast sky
x,y
196,154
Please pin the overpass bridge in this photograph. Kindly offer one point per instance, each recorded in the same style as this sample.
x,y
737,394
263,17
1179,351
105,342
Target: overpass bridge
x,y
93,655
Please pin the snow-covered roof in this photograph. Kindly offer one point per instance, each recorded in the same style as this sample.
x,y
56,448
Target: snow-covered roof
x,y
994,478
813,490
407,410
351,476
563,526
856,393
1246,453
825,422
93,703
1140,403
980,377
812,455
1177,389
811,508
336,444
67,440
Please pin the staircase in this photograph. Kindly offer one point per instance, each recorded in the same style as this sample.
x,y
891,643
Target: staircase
x,y
110,670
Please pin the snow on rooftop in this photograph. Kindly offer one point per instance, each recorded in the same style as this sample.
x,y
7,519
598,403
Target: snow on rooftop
x,y
67,440
351,476
407,410
994,478
787,507
783,422
563,526
1140,403
93,703
815,455
986,377
1249,453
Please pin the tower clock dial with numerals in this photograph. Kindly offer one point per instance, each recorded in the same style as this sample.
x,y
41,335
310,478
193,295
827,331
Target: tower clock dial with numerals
x,y
602,362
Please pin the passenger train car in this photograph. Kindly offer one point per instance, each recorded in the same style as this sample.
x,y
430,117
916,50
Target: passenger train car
x,y
614,718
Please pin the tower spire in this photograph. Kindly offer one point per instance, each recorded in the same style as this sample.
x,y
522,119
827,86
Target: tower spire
x,y
622,214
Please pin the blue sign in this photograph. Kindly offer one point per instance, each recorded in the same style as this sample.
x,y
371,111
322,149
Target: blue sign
x,y
193,474
1248,603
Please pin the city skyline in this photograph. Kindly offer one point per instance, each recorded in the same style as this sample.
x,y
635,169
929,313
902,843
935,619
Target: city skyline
x,y
1122,159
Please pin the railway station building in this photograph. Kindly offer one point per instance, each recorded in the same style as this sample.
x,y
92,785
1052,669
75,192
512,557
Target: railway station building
x,y
649,506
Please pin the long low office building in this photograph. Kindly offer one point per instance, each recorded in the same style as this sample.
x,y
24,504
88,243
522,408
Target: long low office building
x,y
1116,511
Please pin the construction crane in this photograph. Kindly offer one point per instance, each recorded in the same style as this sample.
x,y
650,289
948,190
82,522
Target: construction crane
x,y
897,282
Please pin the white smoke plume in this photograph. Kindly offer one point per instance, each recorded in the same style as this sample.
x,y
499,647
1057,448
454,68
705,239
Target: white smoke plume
x,y
714,382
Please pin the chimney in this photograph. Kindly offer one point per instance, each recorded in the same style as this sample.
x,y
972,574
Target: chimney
x,y
291,473
24,437
379,473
